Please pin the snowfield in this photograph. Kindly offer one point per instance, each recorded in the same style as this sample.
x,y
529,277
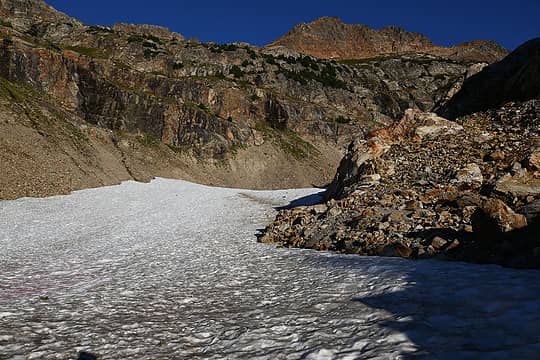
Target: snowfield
x,y
172,269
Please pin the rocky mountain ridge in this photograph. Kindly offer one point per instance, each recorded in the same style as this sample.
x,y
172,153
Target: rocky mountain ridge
x,y
330,38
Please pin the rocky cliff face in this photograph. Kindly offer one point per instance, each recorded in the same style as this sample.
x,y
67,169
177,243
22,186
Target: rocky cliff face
x,y
515,78
254,112
329,38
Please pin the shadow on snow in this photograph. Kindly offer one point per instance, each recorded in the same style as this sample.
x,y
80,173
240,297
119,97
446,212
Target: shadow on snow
x,y
307,200
453,310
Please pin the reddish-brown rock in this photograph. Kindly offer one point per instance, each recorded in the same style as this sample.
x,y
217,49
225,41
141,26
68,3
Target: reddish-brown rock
x,y
330,38
494,216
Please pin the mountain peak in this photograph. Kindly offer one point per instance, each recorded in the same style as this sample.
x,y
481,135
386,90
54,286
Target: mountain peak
x,y
24,13
328,19
330,38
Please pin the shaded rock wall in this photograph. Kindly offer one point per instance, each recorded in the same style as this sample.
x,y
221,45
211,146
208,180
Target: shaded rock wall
x,y
515,78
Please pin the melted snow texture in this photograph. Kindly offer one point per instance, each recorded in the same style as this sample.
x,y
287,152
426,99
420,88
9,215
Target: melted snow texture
x,y
172,269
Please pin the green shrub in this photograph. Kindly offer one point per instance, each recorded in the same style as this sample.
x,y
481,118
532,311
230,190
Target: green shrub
x,y
439,77
150,53
308,62
343,120
6,39
293,144
121,65
148,140
252,54
228,47
244,84
219,48
175,148
90,52
302,76
158,73
270,59
5,23
75,132
340,120
135,39
327,76
11,90
51,46
236,71
153,38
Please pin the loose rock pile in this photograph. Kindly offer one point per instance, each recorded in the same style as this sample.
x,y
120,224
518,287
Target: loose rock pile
x,y
427,187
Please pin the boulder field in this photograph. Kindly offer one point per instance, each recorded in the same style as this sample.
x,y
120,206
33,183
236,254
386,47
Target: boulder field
x,y
427,187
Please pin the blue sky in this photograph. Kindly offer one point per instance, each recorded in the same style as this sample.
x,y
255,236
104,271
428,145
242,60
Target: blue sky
x,y
510,23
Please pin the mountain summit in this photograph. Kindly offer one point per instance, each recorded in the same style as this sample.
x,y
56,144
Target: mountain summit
x,y
330,38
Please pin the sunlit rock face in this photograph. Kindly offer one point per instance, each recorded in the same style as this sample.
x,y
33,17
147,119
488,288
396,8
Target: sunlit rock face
x,y
330,38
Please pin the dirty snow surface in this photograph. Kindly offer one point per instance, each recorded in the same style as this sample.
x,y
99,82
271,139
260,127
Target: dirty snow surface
x,y
172,269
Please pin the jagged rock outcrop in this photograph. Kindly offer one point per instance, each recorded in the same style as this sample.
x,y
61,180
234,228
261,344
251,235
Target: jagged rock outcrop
x,y
457,193
515,78
363,155
149,31
36,17
330,38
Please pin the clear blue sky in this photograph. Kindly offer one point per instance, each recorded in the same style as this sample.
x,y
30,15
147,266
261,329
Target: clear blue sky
x,y
510,23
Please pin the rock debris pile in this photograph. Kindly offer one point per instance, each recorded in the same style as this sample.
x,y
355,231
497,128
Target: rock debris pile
x,y
428,187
